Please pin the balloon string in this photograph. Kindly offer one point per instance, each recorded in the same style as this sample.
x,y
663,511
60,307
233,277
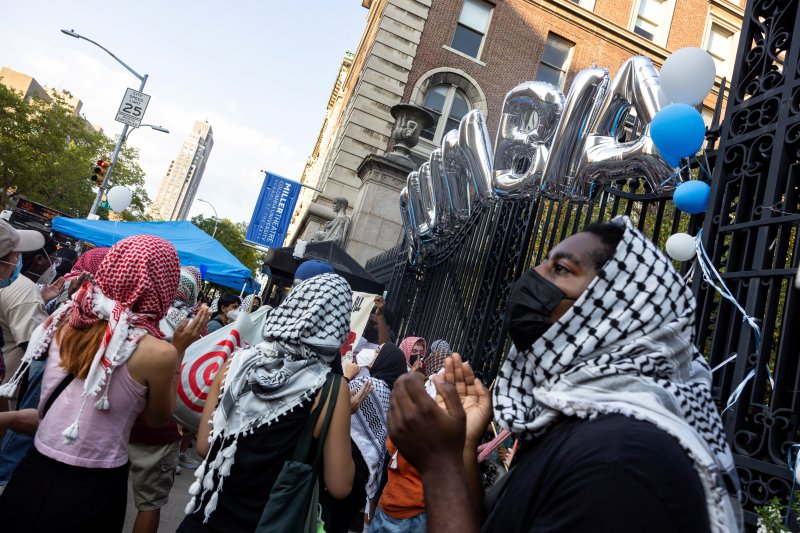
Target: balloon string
x,y
674,175
706,168
725,362
712,276
793,465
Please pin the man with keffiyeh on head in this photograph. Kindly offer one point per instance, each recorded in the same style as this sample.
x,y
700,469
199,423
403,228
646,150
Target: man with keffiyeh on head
x,y
106,362
607,393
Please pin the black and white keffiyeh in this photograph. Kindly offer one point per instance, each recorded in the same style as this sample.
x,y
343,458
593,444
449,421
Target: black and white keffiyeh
x,y
271,378
368,429
626,347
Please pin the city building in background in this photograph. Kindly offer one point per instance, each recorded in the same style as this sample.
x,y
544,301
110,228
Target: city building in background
x,y
180,184
30,88
451,56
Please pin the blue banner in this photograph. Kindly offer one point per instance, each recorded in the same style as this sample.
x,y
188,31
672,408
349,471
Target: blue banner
x,y
273,212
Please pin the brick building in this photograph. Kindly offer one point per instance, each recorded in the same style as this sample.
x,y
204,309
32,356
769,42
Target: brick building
x,y
451,56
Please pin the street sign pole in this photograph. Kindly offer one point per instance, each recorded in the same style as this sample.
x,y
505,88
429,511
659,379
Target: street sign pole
x,y
101,189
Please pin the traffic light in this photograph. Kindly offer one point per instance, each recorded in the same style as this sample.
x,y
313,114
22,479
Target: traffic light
x,y
100,171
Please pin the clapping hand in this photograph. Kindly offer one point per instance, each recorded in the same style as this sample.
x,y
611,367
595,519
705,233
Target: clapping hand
x,y
53,290
426,435
475,399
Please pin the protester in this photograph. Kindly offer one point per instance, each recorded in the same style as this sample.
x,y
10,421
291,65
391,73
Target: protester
x,y
440,350
87,263
154,451
401,508
13,242
21,304
107,362
310,268
17,441
434,364
377,331
228,312
254,422
368,431
606,390
247,303
414,349
256,305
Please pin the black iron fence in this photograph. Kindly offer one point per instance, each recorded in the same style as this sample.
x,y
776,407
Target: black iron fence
x,y
750,232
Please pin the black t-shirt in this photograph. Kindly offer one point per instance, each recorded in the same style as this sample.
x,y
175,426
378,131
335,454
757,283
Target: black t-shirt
x,y
259,459
613,473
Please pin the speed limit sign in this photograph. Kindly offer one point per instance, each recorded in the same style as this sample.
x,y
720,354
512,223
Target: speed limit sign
x,y
132,108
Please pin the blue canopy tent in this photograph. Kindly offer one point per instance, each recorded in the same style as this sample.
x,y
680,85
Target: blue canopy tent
x,y
195,247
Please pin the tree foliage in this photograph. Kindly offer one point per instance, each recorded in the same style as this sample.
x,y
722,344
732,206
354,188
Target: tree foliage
x,y
48,153
231,236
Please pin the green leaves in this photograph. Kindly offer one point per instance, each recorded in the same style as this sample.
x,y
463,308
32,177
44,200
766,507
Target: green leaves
x,y
47,154
231,236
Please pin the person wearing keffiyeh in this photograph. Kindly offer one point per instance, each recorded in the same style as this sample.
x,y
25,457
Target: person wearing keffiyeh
x,y
258,406
414,349
106,362
605,389
368,430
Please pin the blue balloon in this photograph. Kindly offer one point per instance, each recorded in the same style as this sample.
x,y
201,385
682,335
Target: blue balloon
x,y
678,130
692,197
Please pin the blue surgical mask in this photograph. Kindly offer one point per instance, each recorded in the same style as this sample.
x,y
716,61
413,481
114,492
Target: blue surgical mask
x,y
6,282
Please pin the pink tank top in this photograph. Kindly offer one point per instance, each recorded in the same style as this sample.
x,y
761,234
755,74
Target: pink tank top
x,y
103,441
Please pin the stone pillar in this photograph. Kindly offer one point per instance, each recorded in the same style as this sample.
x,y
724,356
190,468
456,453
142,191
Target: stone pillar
x,y
376,224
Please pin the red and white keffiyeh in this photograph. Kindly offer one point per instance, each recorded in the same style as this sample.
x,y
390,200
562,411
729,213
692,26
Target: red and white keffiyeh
x,y
132,290
88,262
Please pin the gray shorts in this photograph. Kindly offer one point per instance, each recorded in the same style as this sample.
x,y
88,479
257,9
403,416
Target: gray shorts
x,y
152,473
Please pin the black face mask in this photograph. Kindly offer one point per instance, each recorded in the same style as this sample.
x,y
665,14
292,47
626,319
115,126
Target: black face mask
x,y
530,304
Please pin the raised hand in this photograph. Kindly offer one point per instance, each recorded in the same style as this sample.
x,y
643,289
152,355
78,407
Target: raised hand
x,y
426,435
54,289
188,332
475,399
357,397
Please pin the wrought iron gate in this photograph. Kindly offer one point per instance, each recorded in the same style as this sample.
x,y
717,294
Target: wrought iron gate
x,y
750,232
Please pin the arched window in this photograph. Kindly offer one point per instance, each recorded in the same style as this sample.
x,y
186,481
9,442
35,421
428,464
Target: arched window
x,y
449,104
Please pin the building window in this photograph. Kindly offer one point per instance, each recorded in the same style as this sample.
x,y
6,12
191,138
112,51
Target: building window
x,y
448,104
588,4
555,61
471,27
719,44
652,15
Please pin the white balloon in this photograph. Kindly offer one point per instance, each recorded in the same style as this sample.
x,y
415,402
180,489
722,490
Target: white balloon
x,y
119,198
688,75
681,247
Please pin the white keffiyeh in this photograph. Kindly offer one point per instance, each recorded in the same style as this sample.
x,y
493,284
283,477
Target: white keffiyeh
x,y
270,379
626,347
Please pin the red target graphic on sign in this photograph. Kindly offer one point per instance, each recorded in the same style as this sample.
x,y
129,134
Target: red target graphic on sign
x,y
198,374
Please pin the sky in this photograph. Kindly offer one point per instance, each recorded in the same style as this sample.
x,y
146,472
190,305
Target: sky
x,y
260,72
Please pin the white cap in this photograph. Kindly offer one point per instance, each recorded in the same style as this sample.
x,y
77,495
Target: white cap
x,y
18,240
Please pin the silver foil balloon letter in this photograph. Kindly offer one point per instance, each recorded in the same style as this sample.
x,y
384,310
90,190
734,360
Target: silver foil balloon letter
x,y
605,158
583,102
473,139
456,177
527,125
413,247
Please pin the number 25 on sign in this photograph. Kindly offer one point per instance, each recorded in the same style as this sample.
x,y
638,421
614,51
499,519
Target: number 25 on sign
x,y
132,108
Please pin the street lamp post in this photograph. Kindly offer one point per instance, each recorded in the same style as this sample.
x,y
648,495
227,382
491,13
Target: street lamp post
x,y
216,219
118,147
151,126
